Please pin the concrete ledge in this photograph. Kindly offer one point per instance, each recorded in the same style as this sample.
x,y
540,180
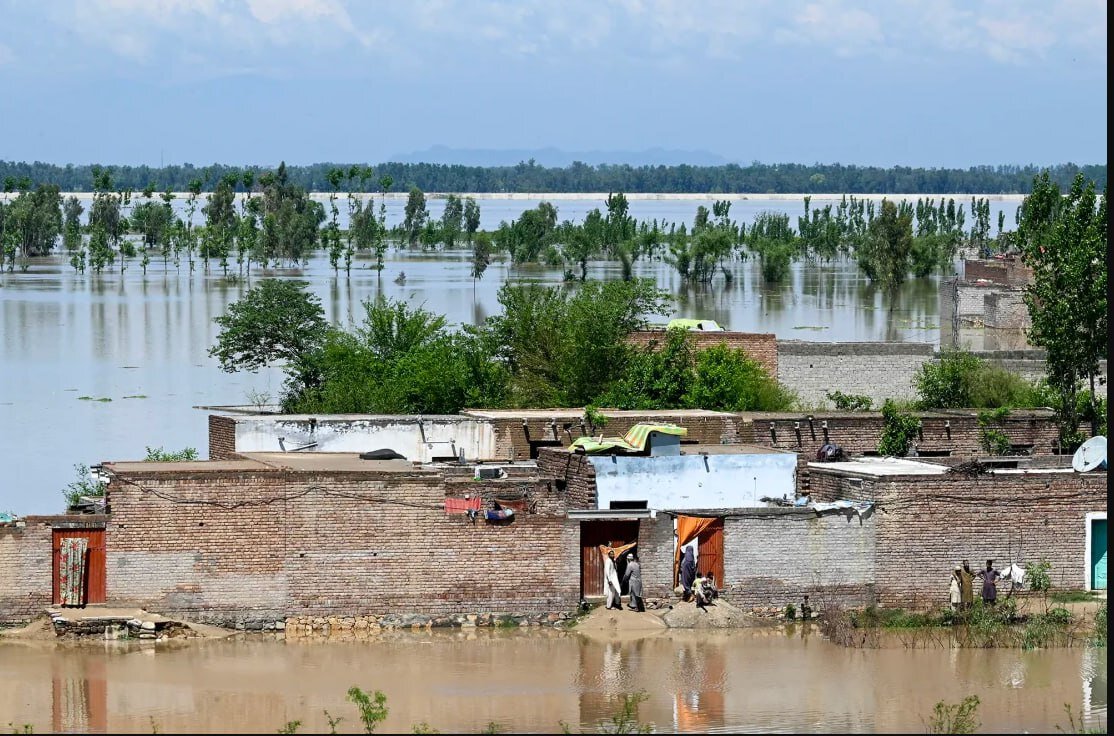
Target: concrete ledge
x,y
803,347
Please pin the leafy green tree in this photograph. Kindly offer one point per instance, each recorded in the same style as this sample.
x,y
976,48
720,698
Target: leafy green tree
x,y
886,253
274,322
565,349
415,215
190,241
452,220
1063,238
471,218
481,257
33,220
290,218
330,237
220,221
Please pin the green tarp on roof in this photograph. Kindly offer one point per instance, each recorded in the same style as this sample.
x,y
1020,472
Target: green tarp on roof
x,y
709,325
633,441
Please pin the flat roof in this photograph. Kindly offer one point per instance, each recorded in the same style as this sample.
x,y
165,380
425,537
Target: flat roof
x,y
880,466
332,462
344,462
325,418
188,466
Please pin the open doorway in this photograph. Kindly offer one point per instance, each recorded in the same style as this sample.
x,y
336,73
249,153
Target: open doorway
x,y
612,533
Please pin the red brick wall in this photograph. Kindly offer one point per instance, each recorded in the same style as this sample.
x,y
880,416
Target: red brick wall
x,y
26,563
222,437
759,346
1007,272
290,544
571,474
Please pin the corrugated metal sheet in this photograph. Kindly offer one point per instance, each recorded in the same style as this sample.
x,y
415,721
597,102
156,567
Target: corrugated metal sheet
x,y
95,567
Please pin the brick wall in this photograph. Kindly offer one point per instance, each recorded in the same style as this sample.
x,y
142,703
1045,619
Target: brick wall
x,y
956,432
874,369
1009,272
571,474
1006,310
928,524
26,563
773,557
298,543
222,437
759,346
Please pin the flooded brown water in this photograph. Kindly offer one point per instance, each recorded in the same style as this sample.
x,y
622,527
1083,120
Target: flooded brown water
x,y
751,680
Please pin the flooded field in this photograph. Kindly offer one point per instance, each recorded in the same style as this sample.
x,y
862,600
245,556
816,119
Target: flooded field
x,y
748,680
99,367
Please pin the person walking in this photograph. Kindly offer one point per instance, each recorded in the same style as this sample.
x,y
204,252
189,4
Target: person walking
x,y
633,578
955,588
989,584
611,582
688,573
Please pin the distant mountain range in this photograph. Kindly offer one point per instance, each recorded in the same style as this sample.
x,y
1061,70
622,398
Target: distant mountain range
x,y
555,157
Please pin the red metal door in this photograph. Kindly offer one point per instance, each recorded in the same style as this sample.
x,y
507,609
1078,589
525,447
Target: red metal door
x,y
709,551
593,534
95,567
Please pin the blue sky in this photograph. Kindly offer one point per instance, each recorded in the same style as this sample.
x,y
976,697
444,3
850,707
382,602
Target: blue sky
x,y
900,82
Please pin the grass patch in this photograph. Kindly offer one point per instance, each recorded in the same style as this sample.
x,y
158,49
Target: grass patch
x,y
136,396
1071,596
93,398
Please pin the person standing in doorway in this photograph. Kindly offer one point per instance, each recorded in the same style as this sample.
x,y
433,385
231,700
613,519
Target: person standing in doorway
x,y
955,589
633,578
989,584
611,582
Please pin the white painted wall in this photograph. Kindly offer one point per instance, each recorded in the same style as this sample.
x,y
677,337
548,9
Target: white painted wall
x,y
695,481
401,434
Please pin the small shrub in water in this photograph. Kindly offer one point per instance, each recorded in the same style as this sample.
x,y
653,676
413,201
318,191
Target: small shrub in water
x,y
955,718
290,727
790,612
373,708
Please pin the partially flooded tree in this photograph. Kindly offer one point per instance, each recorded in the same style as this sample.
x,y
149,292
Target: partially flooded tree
x,y
415,215
275,322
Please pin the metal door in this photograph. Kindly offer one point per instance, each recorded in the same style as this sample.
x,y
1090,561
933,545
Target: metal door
x,y
95,580
1098,554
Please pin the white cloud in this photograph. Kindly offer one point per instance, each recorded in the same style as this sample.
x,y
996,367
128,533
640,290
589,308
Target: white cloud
x,y
295,35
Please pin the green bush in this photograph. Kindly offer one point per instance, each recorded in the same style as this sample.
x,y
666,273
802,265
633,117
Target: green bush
x,y
961,380
898,431
726,379
850,402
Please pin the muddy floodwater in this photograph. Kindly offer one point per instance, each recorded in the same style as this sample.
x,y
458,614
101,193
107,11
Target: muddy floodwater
x,y
757,680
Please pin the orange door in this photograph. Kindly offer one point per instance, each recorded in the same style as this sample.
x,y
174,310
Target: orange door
x,y
95,580
709,551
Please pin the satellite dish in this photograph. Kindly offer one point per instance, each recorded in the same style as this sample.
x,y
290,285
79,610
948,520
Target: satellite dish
x,y
1091,455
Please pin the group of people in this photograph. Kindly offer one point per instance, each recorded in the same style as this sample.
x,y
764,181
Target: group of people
x,y
694,585
961,587
632,578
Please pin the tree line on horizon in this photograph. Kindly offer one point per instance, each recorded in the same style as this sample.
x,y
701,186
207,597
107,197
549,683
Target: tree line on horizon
x,y
530,177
